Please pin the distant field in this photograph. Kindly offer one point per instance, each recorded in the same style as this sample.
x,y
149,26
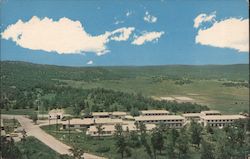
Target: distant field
x,y
204,84
208,92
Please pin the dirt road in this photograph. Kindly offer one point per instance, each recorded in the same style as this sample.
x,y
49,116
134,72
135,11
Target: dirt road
x,y
37,132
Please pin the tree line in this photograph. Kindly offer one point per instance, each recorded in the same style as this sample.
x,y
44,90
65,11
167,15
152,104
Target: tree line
x,y
211,143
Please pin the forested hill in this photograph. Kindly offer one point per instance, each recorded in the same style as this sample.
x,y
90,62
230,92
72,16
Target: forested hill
x,y
124,88
235,72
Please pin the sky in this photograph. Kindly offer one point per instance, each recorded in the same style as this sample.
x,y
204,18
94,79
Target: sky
x,y
119,32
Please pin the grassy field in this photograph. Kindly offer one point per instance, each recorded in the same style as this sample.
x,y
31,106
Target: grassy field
x,y
104,146
206,86
34,149
208,92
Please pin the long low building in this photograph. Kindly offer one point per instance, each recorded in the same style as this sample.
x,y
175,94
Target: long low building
x,y
116,115
87,122
172,121
220,120
109,130
154,112
210,112
191,116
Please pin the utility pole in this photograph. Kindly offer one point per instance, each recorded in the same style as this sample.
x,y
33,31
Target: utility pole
x,y
56,123
49,118
69,129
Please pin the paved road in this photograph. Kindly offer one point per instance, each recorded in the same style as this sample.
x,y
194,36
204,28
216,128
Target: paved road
x,y
37,132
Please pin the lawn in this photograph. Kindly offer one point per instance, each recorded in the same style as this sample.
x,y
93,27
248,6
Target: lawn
x,y
32,148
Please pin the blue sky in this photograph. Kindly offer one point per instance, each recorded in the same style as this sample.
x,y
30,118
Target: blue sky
x,y
159,32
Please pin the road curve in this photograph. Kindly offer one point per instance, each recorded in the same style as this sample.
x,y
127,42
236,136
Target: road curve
x,y
37,132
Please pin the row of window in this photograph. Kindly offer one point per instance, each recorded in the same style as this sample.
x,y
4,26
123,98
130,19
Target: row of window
x,y
220,125
228,120
158,121
149,114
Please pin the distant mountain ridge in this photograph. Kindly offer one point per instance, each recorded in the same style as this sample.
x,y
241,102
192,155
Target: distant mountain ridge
x,y
229,72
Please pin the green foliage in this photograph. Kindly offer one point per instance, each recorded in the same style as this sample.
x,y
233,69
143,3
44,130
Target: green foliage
x,y
9,150
76,152
236,84
157,140
207,150
99,130
182,146
34,118
103,149
195,130
33,148
121,143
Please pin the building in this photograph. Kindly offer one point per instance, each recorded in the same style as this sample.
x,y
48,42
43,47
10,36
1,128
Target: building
x,y
56,114
172,121
78,123
3,133
220,120
107,121
109,130
192,116
129,118
118,115
100,114
154,112
210,112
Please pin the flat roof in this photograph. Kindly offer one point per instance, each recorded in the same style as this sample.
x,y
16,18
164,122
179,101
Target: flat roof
x,y
129,117
100,113
191,114
211,111
119,113
107,121
78,121
159,117
152,111
223,117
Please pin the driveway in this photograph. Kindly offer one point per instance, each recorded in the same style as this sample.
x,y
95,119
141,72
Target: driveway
x,y
37,132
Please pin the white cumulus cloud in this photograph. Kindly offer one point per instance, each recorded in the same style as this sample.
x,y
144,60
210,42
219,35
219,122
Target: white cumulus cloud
x,y
147,37
90,62
204,18
64,36
122,34
228,33
149,18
